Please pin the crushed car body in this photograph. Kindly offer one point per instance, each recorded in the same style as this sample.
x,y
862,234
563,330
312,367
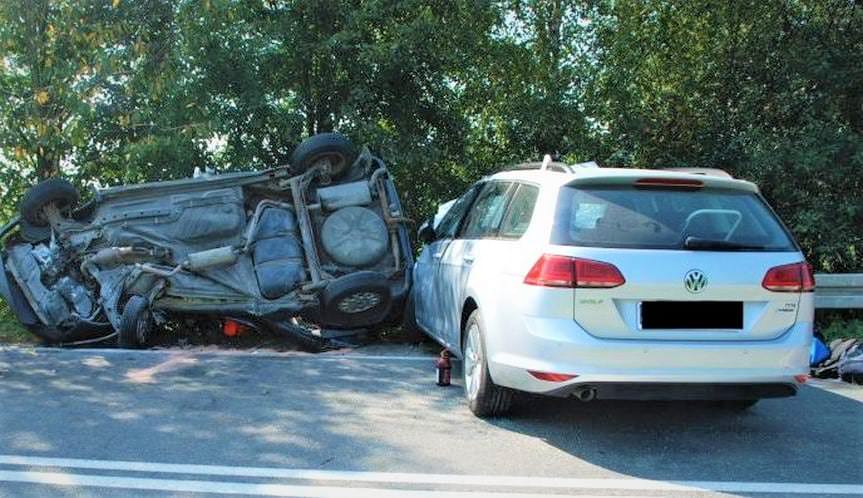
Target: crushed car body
x,y
323,240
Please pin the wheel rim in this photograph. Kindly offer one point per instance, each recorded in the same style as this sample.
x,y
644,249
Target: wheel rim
x,y
337,161
359,302
44,214
472,362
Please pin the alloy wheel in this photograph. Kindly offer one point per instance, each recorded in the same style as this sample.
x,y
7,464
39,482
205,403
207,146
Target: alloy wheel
x,y
473,362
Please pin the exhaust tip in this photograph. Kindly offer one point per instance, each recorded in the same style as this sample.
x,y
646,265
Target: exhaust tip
x,y
585,394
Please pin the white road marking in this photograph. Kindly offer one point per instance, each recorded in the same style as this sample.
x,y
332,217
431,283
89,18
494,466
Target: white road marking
x,y
361,357
838,387
626,484
243,488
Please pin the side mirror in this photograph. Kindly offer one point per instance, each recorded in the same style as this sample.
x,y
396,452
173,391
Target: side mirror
x,y
426,233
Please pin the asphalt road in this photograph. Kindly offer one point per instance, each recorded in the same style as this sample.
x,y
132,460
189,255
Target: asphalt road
x,y
371,423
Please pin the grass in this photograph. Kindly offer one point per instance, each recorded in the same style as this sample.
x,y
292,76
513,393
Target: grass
x,y
840,325
11,332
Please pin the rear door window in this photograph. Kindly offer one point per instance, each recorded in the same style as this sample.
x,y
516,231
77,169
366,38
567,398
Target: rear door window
x,y
623,216
519,213
487,212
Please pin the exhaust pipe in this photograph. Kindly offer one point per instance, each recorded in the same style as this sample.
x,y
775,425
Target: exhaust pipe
x,y
585,394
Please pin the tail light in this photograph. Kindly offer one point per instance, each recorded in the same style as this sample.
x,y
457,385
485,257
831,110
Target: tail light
x,y
796,277
563,271
683,183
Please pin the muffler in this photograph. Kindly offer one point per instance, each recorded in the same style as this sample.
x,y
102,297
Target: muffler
x,y
585,394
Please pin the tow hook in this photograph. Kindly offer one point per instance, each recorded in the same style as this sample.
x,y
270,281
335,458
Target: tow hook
x,y
585,394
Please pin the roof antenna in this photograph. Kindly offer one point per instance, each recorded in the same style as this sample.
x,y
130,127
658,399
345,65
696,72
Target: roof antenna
x,y
546,162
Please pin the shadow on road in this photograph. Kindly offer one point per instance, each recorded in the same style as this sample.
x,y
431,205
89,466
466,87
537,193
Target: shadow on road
x,y
383,415
814,437
175,407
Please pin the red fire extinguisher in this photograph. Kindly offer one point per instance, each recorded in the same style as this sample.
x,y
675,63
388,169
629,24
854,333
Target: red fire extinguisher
x,y
444,369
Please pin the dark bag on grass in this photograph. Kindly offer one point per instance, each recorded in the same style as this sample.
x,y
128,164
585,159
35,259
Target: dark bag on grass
x,y
829,368
851,365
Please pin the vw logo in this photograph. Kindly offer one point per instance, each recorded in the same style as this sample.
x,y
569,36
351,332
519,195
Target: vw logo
x,y
695,281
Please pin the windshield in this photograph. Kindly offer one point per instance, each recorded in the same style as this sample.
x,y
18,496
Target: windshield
x,y
623,216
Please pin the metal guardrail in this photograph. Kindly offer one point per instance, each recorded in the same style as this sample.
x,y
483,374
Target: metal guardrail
x,y
838,290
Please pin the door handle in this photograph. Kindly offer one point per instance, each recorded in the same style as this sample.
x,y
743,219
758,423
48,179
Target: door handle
x,y
468,258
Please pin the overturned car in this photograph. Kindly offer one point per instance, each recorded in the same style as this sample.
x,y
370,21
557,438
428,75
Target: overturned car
x,y
323,240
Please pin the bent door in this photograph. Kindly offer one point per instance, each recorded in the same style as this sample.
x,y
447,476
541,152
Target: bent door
x,y
482,221
427,287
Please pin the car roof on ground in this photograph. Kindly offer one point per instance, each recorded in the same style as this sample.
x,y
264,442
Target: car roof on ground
x,y
595,175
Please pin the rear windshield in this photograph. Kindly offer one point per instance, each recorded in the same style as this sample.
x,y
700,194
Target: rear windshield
x,y
623,216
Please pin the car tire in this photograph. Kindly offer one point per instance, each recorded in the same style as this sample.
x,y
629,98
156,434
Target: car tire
x,y
136,323
52,191
484,397
356,300
333,146
32,233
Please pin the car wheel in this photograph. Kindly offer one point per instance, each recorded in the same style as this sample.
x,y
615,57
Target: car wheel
x,y
136,323
334,147
54,191
32,233
356,300
484,397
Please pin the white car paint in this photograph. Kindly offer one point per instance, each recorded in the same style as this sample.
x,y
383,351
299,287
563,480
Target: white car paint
x,y
595,334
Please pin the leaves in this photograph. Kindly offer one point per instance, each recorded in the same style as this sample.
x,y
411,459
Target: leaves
x,y
447,92
42,97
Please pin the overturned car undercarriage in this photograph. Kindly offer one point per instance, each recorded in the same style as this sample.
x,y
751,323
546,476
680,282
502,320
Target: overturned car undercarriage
x,y
323,240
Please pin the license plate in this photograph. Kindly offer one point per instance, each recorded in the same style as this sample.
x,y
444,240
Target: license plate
x,y
671,315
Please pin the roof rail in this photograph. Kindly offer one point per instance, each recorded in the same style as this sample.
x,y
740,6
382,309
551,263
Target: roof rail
x,y
548,164
553,166
588,164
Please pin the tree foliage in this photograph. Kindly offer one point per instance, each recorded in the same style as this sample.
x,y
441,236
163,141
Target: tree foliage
x,y
770,91
106,92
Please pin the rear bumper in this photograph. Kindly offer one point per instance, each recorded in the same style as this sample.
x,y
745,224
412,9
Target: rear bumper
x,y
658,369
680,391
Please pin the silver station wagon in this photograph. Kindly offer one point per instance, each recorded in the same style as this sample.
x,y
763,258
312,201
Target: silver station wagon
x,y
616,284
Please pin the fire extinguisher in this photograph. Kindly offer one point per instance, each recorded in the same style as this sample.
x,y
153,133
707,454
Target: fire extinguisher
x,y
443,365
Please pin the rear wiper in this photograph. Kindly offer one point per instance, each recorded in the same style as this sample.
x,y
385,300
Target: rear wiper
x,y
698,243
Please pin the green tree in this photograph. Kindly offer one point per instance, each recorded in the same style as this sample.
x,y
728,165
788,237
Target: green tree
x,y
385,72
770,91
121,91
84,83
525,95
